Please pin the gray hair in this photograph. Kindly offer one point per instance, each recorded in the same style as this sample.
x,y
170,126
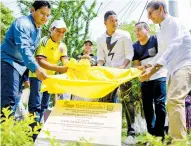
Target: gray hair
x,y
155,4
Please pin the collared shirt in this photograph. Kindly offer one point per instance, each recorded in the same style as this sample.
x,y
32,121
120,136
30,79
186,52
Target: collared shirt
x,y
20,43
115,49
145,53
51,51
174,43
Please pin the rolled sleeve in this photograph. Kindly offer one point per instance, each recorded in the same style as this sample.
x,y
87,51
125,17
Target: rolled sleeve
x,y
22,39
162,62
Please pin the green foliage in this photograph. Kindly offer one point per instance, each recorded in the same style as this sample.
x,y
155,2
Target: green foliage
x,y
24,6
133,94
6,20
54,142
130,28
156,141
17,133
153,141
77,17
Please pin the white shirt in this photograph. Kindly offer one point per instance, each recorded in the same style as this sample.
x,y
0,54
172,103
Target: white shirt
x,y
174,45
122,49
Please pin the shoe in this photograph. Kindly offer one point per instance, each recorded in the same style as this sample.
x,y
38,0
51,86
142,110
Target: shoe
x,y
130,140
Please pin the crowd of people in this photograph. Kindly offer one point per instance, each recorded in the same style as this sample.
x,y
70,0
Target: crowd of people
x,y
164,59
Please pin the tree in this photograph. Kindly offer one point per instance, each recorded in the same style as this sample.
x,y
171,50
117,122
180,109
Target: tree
x,y
6,20
77,16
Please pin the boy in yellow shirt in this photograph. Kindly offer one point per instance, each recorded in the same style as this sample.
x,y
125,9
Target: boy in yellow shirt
x,y
50,51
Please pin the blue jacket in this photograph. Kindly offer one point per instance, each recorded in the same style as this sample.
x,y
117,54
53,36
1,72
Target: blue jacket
x,y
20,43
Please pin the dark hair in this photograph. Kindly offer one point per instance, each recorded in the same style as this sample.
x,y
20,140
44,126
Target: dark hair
x,y
107,14
145,25
88,41
155,4
40,3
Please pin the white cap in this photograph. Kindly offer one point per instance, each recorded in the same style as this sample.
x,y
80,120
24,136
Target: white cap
x,y
58,24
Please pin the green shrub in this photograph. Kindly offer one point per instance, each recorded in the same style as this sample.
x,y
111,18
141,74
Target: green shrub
x,y
17,133
156,141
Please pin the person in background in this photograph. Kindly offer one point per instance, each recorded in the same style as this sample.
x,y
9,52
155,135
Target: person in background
x,y
17,51
88,53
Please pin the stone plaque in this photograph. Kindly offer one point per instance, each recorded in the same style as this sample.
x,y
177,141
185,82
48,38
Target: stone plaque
x,y
97,123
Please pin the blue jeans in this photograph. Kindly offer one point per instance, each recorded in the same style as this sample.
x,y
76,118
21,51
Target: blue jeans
x,y
154,92
11,82
38,102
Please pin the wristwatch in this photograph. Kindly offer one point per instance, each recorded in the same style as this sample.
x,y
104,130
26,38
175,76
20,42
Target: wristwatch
x,y
157,66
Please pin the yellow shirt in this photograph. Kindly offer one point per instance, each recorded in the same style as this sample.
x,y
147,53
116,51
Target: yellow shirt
x,y
50,50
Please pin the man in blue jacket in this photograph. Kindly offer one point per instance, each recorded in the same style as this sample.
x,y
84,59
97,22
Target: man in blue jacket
x,y
17,51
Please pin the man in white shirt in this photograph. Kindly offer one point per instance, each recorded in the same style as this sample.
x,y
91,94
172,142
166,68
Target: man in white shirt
x,y
174,43
114,49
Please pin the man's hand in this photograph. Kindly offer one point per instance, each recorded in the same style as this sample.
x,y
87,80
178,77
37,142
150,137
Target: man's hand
x,y
27,84
142,68
62,69
86,57
122,67
145,75
40,74
100,63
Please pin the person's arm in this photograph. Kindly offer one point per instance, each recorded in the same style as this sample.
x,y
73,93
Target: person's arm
x,y
125,63
22,36
129,52
148,72
100,54
64,59
177,33
136,63
48,66
22,40
41,58
100,63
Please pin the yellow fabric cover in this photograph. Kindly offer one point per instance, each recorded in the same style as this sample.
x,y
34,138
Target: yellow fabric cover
x,y
85,81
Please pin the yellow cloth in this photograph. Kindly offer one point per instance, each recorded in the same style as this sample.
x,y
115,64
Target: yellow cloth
x,y
50,50
85,81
